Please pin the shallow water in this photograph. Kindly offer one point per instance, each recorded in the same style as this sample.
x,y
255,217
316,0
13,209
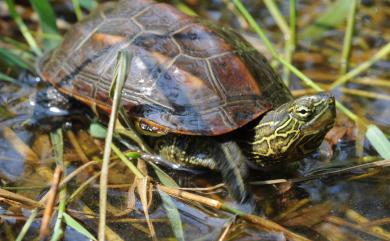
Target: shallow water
x,y
341,206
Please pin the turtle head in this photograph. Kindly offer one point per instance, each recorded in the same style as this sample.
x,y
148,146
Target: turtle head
x,y
294,129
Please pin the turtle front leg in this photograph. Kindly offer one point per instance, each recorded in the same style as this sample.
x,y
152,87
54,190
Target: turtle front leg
x,y
220,155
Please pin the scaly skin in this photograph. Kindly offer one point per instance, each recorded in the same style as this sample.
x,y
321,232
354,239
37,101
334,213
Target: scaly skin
x,y
287,133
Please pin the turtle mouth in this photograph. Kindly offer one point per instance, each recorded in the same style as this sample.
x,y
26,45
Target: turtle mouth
x,y
325,114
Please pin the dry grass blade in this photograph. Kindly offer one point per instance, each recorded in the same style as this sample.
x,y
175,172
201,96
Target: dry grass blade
x,y
45,230
77,147
342,222
142,187
109,233
224,234
24,150
382,53
20,199
265,223
363,221
123,60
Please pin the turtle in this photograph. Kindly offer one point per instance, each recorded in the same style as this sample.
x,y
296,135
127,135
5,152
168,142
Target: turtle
x,y
198,93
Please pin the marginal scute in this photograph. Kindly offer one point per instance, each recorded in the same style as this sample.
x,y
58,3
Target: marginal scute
x,y
186,75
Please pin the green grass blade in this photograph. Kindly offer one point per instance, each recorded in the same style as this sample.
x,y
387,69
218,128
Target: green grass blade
x,y
4,77
163,177
277,15
58,146
128,163
119,77
23,28
379,141
184,8
252,22
77,9
173,215
47,20
27,225
334,15
71,222
383,52
347,45
12,59
88,4
16,44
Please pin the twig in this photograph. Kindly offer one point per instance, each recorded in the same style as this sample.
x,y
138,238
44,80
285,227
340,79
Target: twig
x,y
45,230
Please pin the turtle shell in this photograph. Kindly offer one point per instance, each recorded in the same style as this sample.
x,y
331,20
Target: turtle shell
x,y
186,76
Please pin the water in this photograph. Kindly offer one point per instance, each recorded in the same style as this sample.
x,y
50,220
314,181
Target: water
x,y
331,207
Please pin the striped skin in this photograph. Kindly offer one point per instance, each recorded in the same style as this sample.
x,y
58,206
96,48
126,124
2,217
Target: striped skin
x,y
192,82
288,135
281,135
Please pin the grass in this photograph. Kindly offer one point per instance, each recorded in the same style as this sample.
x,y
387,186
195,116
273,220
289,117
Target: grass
x,y
120,75
15,57
381,146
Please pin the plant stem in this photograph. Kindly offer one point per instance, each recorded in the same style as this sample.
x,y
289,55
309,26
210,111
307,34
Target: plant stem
x,y
273,9
383,52
348,38
118,82
290,42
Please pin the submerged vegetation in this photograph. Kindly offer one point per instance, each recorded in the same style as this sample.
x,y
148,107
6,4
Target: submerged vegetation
x,y
51,160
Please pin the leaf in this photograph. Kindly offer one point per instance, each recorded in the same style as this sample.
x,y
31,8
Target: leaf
x,y
97,130
77,226
163,177
132,155
47,20
334,15
379,141
173,215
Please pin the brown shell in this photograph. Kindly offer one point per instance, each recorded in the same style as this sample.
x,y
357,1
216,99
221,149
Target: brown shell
x,y
186,76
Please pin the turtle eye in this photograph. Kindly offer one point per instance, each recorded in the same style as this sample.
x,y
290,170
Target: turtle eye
x,y
303,112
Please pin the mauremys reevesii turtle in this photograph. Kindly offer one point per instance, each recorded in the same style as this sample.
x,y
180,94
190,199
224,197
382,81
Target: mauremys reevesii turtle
x,y
198,93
